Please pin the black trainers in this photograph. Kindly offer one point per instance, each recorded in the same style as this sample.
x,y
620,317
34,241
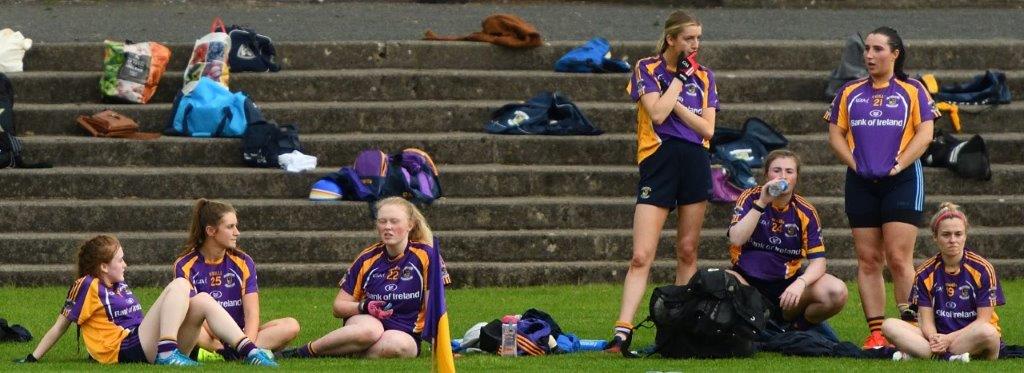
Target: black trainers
x,y
287,353
908,315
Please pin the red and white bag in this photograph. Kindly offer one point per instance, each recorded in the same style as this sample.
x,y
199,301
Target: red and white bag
x,y
209,57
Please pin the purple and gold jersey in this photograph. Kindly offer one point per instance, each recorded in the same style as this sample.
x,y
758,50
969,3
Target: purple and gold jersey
x,y
699,93
226,280
955,298
401,281
106,315
880,122
781,240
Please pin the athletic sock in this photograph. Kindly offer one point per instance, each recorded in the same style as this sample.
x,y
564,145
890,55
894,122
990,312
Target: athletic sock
x,y
306,351
875,323
624,328
166,347
245,347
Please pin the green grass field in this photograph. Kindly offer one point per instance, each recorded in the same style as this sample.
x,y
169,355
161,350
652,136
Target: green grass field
x,y
587,311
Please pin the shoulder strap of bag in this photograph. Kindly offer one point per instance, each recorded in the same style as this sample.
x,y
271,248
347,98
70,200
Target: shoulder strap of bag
x,y
217,22
224,120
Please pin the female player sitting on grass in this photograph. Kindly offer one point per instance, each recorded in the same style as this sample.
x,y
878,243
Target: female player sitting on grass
x,y
112,323
770,236
956,293
382,297
213,264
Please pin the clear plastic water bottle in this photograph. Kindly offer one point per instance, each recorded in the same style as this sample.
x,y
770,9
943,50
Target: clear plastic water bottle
x,y
509,325
778,188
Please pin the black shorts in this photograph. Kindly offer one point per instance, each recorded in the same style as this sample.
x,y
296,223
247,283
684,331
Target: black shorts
x,y
678,173
770,289
897,198
131,349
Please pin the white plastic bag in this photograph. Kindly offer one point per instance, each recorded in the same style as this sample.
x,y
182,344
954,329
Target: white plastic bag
x,y
12,50
209,57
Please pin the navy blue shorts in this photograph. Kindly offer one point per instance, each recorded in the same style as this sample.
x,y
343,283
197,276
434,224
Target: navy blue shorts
x,y
131,349
897,198
770,289
678,173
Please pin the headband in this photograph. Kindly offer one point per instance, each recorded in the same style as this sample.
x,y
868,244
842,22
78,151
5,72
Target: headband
x,y
947,214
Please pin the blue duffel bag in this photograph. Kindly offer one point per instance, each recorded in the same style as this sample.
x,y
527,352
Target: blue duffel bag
x,y
211,110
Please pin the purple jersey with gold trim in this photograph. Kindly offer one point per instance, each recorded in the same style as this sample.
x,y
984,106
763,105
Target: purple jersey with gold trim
x,y
880,122
226,280
401,281
106,315
780,241
955,298
699,93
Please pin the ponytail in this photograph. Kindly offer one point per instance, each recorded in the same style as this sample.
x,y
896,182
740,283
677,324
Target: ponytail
x,y
205,213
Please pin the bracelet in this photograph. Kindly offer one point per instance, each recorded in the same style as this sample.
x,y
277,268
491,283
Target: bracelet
x,y
362,306
801,278
754,206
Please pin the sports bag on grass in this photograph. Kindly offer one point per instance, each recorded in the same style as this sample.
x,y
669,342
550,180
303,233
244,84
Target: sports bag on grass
x,y
132,71
714,316
209,57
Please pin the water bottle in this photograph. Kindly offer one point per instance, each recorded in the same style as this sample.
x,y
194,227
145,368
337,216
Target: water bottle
x,y
509,325
592,344
778,188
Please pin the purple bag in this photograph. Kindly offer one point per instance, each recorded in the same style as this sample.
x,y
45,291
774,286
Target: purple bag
x,y
722,190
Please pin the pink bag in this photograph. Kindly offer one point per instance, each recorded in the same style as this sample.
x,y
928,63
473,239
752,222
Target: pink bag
x,y
722,190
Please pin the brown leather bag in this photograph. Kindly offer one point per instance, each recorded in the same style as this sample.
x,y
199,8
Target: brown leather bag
x,y
109,123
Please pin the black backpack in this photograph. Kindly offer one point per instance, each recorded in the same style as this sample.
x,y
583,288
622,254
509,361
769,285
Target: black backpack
x,y
714,316
851,66
10,146
968,159
265,140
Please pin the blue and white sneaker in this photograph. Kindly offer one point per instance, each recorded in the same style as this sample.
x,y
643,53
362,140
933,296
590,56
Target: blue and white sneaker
x,y
260,357
177,358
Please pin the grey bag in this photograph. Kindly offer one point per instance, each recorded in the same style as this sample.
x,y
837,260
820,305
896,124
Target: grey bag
x,y
850,67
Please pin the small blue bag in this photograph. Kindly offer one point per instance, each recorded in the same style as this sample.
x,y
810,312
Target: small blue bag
x,y
211,110
591,58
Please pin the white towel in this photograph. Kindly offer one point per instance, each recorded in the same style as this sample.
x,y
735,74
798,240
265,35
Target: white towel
x,y
296,161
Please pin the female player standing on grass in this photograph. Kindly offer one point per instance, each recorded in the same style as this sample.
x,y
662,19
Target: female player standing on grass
x,y
676,104
878,127
382,297
956,293
213,264
770,237
112,323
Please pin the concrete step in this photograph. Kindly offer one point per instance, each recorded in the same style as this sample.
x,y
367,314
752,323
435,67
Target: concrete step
x,y
488,180
406,84
564,245
720,55
148,215
446,148
470,116
464,274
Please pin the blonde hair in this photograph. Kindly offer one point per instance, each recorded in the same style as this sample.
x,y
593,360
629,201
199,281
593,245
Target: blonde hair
x,y
420,229
205,213
96,251
947,210
676,22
